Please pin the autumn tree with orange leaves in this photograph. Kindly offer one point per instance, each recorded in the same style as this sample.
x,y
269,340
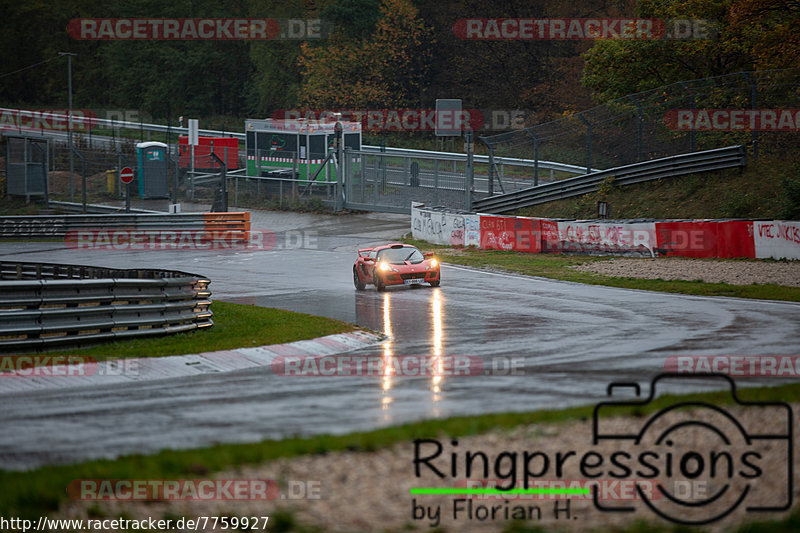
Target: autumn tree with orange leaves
x,y
749,35
387,69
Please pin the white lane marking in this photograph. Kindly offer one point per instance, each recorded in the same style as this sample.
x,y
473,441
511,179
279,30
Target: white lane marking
x,y
672,294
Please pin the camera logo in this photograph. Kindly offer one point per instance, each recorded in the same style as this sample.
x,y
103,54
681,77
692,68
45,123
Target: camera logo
x,y
708,462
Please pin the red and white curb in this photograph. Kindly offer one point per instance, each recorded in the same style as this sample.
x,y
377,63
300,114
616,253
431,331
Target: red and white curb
x,y
142,369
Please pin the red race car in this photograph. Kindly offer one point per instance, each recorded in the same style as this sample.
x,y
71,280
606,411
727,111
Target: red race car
x,y
395,264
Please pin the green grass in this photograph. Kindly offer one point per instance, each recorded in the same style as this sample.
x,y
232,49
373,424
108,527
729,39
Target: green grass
x,y
41,491
766,188
235,326
557,267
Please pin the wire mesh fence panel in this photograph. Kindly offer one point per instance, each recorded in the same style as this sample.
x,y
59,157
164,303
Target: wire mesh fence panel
x,y
391,182
95,171
281,179
742,108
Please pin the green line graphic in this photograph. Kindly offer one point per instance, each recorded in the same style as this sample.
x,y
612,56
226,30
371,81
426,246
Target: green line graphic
x,y
446,490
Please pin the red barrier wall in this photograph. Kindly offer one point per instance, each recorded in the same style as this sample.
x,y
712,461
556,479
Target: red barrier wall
x,y
736,239
521,234
693,238
687,239
733,238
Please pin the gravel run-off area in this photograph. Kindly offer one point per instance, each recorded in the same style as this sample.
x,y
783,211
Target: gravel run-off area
x,y
712,271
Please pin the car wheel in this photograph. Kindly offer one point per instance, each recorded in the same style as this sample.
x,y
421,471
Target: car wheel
x,y
379,284
357,281
435,283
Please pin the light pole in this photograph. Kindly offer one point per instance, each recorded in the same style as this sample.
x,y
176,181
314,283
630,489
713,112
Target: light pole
x,y
69,123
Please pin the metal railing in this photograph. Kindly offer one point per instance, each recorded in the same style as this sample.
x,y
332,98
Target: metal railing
x,y
75,207
160,128
27,226
46,305
102,122
499,161
677,165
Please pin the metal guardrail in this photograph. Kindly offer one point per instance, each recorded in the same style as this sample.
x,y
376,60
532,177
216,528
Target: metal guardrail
x,y
27,226
547,165
677,165
75,207
135,125
455,156
45,305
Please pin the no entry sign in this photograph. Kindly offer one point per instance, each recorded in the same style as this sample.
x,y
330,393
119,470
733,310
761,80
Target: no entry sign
x,y
126,175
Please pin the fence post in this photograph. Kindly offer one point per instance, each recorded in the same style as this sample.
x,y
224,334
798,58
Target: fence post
x,y
470,174
491,170
235,183
436,181
43,152
224,177
535,157
588,143
691,108
753,105
83,175
638,126
342,157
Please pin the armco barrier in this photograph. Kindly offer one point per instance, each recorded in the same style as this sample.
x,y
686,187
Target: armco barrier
x,y
46,305
667,167
686,238
235,226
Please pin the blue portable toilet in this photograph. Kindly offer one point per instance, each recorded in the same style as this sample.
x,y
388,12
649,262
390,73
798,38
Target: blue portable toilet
x,y
153,169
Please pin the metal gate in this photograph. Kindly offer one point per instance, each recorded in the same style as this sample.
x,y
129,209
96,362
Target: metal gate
x,y
389,183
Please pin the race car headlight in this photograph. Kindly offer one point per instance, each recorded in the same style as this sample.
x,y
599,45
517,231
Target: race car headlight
x,y
384,267
434,263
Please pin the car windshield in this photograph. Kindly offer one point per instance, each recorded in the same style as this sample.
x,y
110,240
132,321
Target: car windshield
x,y
397,256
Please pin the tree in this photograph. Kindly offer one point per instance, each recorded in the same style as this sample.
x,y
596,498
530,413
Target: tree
x,y
385,70
770,28
750,35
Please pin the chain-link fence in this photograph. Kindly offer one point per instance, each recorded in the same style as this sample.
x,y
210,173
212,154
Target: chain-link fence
x,y
392,182
94,176
662,122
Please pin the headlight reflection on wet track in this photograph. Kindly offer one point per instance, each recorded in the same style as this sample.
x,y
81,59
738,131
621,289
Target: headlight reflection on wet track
x,y
436,312
435,354
386,400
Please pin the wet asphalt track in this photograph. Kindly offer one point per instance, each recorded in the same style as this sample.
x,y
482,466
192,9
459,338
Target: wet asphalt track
x,y
571,340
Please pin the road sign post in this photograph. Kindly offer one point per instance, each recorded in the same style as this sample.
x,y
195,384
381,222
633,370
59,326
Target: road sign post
x,y
193,140
469,175
126,177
